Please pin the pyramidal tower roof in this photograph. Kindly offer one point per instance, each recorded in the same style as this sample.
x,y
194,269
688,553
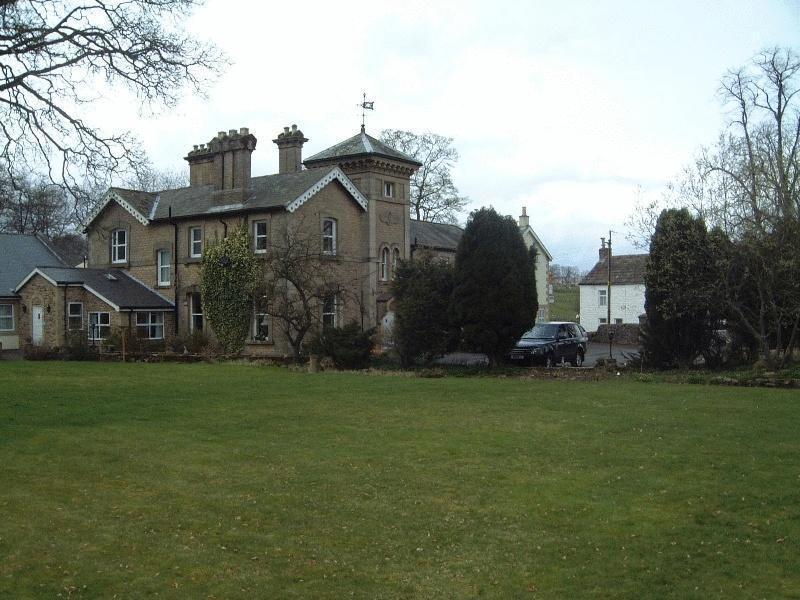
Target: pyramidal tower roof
x,y
360,144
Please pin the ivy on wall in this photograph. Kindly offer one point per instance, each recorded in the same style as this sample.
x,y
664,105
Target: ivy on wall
x,y
230,274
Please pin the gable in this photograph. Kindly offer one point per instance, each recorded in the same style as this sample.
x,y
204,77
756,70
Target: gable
x,y
134,203
335,174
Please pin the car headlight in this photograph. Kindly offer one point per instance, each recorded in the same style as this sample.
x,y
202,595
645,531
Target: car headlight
x,y
537,351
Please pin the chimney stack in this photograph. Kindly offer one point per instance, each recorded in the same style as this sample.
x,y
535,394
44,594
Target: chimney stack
x,y
523,218
290,150
224,162
603,249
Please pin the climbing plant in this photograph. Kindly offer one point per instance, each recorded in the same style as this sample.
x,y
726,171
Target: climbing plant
x,y
230,274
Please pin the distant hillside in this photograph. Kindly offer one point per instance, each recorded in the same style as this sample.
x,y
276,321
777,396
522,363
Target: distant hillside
x,y
567,303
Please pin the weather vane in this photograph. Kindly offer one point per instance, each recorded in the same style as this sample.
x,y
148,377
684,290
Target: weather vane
x,y
365,106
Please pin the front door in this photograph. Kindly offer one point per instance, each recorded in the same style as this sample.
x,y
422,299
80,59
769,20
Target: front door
x,y
37,318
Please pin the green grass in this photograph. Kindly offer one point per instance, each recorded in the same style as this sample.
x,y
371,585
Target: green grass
x,y
566,304
236,481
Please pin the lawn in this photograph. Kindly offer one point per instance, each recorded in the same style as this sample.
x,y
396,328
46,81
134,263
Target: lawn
x,y
237,481
566,303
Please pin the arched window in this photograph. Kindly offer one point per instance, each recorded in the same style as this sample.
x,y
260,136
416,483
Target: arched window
x,y
395,261
385,264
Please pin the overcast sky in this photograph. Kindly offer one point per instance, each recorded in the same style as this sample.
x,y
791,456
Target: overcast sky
x,y
561,107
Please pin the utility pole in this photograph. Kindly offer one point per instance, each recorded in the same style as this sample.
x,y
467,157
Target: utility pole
x,y
608,301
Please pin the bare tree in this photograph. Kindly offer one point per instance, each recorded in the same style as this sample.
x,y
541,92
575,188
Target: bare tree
x,y
434,196
299,279
34,205
55,57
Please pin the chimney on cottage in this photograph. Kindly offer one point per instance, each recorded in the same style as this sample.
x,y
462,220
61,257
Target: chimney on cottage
x,y
603,249
224,162
290,150
524,221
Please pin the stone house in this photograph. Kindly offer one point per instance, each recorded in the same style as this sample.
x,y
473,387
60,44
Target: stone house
x,y
353,197
20,254
627,290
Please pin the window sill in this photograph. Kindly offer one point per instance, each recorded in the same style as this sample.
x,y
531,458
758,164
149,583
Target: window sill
x,y
260,343
163,286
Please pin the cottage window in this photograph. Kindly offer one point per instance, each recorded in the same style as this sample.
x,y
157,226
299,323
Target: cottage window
x,y
195,242
99,325
329,236
75,316
388,189
260,320
603,321
119,246
602,297
164,260
195,312
150,325
329,311
617,321
385,264
6,317
260,237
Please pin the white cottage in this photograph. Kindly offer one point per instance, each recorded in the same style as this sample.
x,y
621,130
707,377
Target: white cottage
x,y
627,290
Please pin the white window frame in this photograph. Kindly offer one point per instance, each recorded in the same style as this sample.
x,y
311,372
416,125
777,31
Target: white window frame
x,y
602,297
100,325
260,315
8,316
152,322
260,236
118,248
71,316
195,243
329,239
388,189
385,254
162,266
193,313
617,321
602,321
332,312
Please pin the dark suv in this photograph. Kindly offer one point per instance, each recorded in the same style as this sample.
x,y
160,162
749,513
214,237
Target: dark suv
x,y
551,343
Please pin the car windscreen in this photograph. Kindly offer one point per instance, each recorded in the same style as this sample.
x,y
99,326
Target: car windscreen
x,y
542,331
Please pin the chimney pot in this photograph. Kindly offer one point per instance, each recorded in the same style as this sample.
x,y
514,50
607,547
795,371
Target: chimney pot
x,y
231,132
294,128
244,131
286,130
195,147
220,134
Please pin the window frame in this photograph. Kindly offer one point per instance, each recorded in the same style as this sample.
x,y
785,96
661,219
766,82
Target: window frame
x,y
71,316
388,189
332,236
116,246
160,266
9,316
255,320
193,241
151,325
257,236
99,325
602,297
384,263
193,313
332,313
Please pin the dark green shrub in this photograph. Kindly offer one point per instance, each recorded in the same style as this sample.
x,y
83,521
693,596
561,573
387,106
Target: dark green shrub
x,y
77,347
348,347
31,352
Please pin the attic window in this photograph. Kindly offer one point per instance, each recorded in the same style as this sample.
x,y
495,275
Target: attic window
x,y
111,277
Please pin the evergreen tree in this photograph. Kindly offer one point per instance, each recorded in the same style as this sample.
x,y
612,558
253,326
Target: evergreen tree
x,y
494,297
681,298
423,326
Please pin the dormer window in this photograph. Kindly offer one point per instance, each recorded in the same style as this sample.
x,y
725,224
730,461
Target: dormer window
x,y
329,236
388,189
119,246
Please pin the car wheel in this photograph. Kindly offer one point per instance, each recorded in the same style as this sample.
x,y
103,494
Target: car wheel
x,y
578,360
549,361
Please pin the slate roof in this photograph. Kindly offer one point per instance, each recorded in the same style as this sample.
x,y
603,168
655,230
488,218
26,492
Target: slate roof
x,y
123,290
267,191
19,255
626,269
435,235
360,144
